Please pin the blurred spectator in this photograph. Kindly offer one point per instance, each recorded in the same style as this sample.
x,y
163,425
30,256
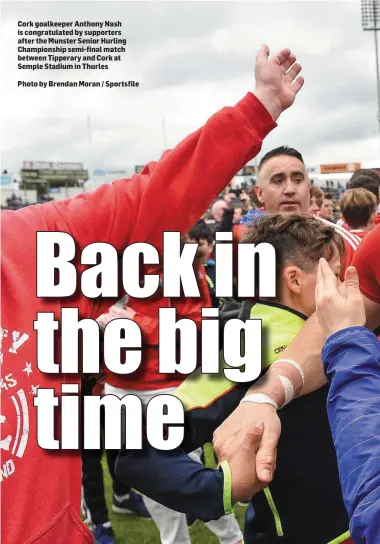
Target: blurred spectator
x,y
202,235
245,198
217,211
327,210
358,207
367,179
316,200
238,214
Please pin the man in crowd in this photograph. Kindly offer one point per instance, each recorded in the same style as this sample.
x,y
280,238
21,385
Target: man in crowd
x,y
365,178
119,214
316,200
327,210
283,187
217,211
358,208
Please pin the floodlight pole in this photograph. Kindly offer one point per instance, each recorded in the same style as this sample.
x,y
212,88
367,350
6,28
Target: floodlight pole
x,y
375,14
370,14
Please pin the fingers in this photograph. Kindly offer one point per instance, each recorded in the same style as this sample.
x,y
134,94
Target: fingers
x,y
288,63
298,84
293,72
266,455
282,56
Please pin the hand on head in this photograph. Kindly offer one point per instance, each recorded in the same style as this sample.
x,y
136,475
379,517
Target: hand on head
x,y
338,306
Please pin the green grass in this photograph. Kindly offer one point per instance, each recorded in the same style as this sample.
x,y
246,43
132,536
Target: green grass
x,y
131,529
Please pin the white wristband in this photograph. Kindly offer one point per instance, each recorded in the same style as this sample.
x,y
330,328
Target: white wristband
x,y
259,398
296,365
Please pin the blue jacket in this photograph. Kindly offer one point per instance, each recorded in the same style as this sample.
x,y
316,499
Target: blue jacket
x,y
351,361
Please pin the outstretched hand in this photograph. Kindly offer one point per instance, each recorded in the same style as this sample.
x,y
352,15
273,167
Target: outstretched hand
x,y
338,306
277,80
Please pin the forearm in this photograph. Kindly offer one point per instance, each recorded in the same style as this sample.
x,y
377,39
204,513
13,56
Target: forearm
x,y
305,350
351,360
175,480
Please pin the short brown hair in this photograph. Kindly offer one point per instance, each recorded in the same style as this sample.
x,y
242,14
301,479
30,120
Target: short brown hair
x,y
300,239
357,207
317,193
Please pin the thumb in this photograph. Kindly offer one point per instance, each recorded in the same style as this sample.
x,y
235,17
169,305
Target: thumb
x,y
351,280
266,457
263,53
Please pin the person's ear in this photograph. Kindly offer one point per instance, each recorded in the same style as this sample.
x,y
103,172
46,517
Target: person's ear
x,y
293,279
259,194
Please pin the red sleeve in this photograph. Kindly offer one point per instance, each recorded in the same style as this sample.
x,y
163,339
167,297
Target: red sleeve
x,y
184,181
367,262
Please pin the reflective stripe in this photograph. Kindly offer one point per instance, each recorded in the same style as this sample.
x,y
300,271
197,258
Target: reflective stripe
x,y
227,488
341,538
274,511
210,282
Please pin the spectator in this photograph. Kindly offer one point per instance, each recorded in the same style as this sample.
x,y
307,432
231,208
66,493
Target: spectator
x,y
316,200
202,235
238,214
358,207
366,178
217,211
351,359
327,210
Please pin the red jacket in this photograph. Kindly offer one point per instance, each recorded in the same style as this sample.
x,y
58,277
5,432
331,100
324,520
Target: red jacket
x,y
40,495
147,377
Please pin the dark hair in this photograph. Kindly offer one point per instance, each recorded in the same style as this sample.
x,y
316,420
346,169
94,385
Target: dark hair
x,y
299,239
357,207
367,179
328,196
282,150
201,231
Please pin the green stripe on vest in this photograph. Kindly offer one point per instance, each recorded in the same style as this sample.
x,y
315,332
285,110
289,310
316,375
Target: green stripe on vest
x,y
279,327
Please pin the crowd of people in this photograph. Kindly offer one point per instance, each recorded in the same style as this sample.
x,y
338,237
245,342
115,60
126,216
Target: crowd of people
x,y
302,469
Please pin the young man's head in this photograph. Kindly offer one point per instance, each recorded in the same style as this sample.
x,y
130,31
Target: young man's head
x,y
299,242
327,210
201,235
316,200
358,207
365,178
283,184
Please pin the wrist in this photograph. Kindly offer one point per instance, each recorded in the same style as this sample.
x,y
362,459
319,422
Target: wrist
x,y
270,101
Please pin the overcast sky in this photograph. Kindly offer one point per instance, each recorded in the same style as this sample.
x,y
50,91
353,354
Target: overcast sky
x,y
191,59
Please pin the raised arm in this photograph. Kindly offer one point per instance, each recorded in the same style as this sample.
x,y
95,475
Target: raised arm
x,y
190,176
351,360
